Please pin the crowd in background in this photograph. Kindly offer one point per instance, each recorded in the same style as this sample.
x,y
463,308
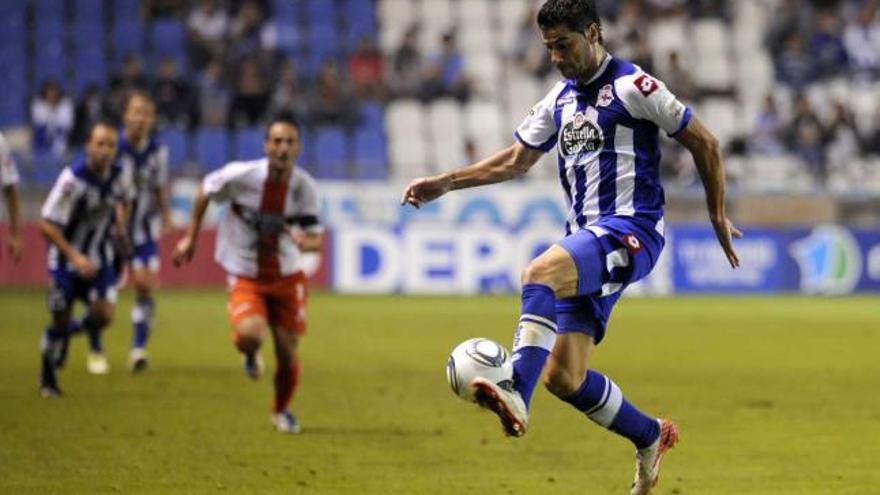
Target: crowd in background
x,y
236,76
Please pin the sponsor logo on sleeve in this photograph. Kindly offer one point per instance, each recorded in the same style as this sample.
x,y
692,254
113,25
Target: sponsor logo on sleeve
x,y
646,84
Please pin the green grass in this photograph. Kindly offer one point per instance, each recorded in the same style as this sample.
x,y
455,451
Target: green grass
x,y
773,396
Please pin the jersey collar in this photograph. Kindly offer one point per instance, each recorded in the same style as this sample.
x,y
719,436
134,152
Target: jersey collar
x,y
599,72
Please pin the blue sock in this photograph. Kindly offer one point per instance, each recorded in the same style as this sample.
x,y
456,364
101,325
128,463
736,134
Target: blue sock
x,y
534,338
603,402
93,329
142,320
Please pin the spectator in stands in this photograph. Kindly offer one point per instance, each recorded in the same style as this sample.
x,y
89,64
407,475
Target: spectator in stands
x,y
331,100
207,26
844,142
872,140
805,137
130,77
52,120
214,95
406,64
173,95
528,51
789,17
769,129
288,95
90,109
365,69
679,79
251,99
861,39
826,45
795,67
250,35
444,73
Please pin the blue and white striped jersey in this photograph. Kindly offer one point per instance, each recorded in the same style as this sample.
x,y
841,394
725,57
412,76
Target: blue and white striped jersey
x,y
607,141
149,172
82,205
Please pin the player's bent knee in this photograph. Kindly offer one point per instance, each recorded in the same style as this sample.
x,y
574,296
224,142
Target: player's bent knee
x,y
560,382
539,272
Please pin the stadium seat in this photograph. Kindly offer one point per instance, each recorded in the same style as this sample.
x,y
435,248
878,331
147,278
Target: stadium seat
x,y
286,11
288,37
49,30
483,126
49,10
248,143
126,10
372,116
331,154
396,16
89,67
12,26
445,133
13,105
87,34
212,148
168,38
360,16
371,154
177,140
128,38
50,61
88,11
321,13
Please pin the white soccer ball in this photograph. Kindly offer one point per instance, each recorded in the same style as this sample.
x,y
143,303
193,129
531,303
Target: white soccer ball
x,y
474,358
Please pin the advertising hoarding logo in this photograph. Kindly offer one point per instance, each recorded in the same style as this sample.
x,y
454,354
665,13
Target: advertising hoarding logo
x,y
829,259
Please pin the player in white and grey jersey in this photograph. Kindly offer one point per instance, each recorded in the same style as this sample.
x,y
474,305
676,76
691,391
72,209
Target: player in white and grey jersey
x,y
85,209
147,159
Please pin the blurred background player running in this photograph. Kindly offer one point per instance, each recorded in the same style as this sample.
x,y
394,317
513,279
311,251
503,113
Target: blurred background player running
x,y
272,220
87,202
9,182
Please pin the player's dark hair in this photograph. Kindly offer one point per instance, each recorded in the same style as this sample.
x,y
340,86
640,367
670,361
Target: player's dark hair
x,y
282,118
101,122
577,15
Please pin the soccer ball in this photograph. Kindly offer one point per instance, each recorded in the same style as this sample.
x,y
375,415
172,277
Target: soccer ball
x,y
478,358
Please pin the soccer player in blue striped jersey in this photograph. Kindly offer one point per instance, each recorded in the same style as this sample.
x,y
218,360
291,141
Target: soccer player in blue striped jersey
x,y
150,215
86,204
603,120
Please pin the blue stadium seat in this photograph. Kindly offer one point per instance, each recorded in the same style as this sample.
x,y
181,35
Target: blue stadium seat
x,y
177,140
372,116
88,11
45,10
212,148
89,35
288,37
12,25
50,61
321,13
13,105
126,10
90,67
48,31
331,153
371,154
286,11
128,38
248,143
168,37
361,19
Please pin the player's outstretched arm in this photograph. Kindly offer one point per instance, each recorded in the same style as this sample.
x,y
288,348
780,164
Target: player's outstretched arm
x,y
10,194
83,266
707,157
186,247
502,166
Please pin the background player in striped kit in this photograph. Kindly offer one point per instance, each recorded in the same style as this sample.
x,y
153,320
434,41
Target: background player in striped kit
x,y
603,119
150,215
87,201
9,183
272,219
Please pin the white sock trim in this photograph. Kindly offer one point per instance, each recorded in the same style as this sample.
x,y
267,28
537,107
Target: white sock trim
x,y
606,410
534,334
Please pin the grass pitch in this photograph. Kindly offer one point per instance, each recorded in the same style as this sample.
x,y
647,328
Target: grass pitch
x,y
773,396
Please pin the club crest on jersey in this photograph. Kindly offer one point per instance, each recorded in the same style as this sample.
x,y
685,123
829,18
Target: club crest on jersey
x,y
606,96
580,135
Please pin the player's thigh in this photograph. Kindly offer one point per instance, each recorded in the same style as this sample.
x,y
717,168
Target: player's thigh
x,y
248,313
287,305
554,268
286,343
144,281
568,363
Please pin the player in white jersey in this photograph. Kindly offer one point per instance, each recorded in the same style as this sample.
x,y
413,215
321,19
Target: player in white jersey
x,y
272,219
603,120
150,215
84,211
9,183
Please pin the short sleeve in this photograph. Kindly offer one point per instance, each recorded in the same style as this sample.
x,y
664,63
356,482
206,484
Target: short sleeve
x,y
8,170
62,198
124,188
538,130
647,98
307,205
218,184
